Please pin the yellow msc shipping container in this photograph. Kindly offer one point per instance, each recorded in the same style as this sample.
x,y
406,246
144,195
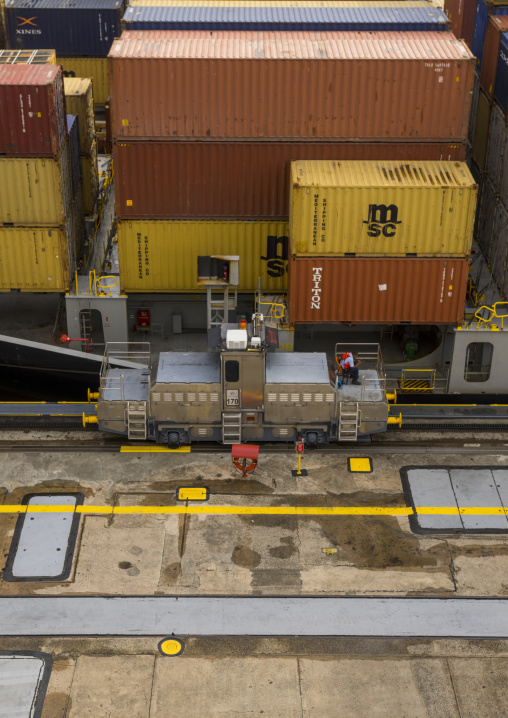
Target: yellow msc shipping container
x,y
94,67
35,190
90,179
79,101
162,256
386,209
27,57
36,259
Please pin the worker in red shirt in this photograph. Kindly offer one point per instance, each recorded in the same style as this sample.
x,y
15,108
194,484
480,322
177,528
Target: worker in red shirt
x,y
349,362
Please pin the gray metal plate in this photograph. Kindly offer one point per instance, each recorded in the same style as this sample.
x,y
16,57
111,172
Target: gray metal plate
x,y
432,487
260,616
43,543
476,487
23,683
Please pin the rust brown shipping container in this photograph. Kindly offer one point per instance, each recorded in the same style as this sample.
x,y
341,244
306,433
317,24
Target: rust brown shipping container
x,y
33,121
390,86
462,14
182,180
377,291
496,26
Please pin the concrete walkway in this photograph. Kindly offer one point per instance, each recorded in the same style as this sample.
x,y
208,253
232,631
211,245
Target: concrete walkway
x,y
146,615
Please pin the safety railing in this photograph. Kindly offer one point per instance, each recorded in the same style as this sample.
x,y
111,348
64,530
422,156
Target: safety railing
x,y
136,352
418,380
368,353
275,311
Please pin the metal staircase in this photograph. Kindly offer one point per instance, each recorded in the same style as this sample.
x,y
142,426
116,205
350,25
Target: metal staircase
x,y
136,419
231,427
349,414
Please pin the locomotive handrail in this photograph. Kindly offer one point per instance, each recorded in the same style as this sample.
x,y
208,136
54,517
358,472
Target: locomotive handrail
x,y
367,352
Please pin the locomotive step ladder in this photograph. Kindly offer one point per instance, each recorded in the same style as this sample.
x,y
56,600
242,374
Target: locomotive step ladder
x,y
231,427
349,414
136,419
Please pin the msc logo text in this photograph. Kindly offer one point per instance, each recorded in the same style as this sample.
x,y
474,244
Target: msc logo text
x,y
382,220
277,254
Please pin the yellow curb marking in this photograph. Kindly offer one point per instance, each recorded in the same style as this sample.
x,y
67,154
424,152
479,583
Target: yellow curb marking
x,y
360,464
171,647
192,494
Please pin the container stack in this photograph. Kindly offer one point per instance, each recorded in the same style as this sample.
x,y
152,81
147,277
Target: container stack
x,y
37,215
206,124
79,101
380,242
81,33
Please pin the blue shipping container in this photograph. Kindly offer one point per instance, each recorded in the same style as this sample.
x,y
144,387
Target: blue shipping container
x,y
284,18
501,88
79,28
480,28
72,129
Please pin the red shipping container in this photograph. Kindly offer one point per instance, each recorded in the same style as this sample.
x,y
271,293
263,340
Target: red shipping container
x,y
33,120
462,14
236,180
390,86
377,290
496,25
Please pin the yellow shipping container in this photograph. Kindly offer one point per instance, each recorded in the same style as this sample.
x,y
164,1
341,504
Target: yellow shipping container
x,y
35,259
162,256
35,190
89,179
79,101
386,209
27,57
94,67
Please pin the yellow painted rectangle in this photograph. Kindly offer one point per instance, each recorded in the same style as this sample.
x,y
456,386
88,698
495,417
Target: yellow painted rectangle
x,y
192,494
163,255
49,509
13,509
35,190
154,450
36,259
89,179
383,208
94,509
360,464
79,101
94,67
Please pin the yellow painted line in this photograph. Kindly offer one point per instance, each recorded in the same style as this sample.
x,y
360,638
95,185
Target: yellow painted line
x,y
94,509
154,450
49,509
482,511
13,509
440,510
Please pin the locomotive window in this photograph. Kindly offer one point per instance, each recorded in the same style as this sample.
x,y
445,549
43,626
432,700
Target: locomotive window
x,y
478,361
232,371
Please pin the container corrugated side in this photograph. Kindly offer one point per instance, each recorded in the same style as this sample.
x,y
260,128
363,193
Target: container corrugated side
x,y
483,11
79,101
89,179
87,27
35,191
499,248
35,259
316,18
377,291
94,67
74,161
495,27
486,212
32,110
381,208
284,3
163,256
27,57
462,16
481,130
170,180
474,108
501,87
497,146
503,179
331,82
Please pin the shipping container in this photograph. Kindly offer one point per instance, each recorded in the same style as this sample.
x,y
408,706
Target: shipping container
x,y
381,208
35,190
75,164
503,179
32,110
461,14
79,101
499,247
284,3
236,180
27,57
377,291
90,179
331,81
285,18
87,27
94,67
163,256
496,26
474,109
35,259
486,212
484,10
501,87
497,145
481,130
